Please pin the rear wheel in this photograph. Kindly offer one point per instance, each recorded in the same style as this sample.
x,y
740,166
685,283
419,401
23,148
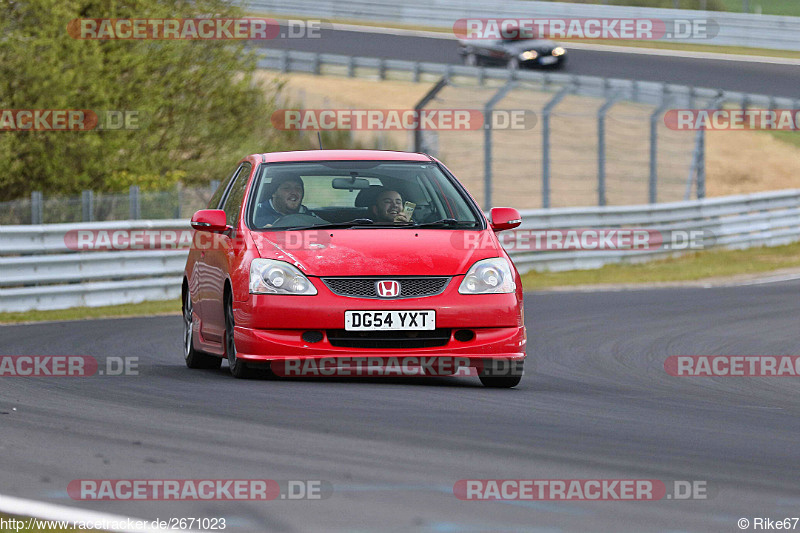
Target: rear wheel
x,y
238,367
501,374
193,357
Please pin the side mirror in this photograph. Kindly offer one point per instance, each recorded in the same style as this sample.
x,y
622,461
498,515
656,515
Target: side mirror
x,y
213,220
504,218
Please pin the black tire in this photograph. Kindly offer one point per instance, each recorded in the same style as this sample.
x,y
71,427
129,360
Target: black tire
x,y
194,358
501,374
238,367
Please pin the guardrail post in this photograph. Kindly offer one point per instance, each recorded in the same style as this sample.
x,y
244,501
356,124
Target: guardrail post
x,y
430,95
546,111
601,149
315,65
382,69
701,168
654,121
351,67
284,62
415,75
87,206
487,141
135,208
37,207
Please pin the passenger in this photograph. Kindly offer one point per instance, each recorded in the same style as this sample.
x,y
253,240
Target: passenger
x,y
388,208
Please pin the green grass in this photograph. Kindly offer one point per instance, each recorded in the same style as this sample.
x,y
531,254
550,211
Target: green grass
x,y
166,307
690,267
767,7
790,137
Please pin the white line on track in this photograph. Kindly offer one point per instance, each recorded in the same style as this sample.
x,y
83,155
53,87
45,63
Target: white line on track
x,y
49,511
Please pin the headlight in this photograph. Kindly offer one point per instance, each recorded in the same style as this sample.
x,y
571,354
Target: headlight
x,y
558,51
489,276
268,276
527,56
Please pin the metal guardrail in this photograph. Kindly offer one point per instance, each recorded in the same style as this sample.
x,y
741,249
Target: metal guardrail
x,y
735,29
38,272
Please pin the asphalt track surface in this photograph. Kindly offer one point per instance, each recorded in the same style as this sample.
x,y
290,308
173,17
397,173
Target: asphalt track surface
x,y
595,403
759,78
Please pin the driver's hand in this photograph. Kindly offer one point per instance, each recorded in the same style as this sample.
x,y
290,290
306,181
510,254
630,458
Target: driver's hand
x,y
401,218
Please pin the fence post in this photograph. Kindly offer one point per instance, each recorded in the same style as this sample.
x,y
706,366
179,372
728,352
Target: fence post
x,y
487,141
430,95
697,170
135,211
37,209
546,111
654,120
601,149
87,206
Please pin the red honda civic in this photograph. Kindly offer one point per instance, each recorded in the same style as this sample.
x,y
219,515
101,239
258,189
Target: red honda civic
x,y
351,255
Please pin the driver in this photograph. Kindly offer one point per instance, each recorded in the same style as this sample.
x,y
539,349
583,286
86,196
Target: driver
x,y
285,198
388,208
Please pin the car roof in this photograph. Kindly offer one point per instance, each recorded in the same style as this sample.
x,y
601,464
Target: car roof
x,y
340,155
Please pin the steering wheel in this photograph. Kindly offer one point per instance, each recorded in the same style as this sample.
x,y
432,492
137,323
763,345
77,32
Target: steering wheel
x,y
297,219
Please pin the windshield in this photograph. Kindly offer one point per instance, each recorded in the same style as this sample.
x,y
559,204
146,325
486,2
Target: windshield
x,y
368,194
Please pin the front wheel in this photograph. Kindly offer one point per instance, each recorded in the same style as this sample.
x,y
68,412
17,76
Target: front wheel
x,y
501,374
193,357
237,367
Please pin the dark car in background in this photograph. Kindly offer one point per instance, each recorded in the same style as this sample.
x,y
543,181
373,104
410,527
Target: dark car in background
x,y
513,53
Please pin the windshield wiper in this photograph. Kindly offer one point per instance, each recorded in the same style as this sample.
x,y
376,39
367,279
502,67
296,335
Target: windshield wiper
x,y
446,223
331,225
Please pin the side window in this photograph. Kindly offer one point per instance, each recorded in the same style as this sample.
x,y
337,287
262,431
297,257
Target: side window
x,y
233,204
217,197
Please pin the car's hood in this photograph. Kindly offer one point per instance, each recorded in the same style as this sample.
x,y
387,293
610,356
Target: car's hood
x,y
540,45
378,252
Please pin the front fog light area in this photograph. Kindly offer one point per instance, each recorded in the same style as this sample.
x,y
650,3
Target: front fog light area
x,y
268,276
489,276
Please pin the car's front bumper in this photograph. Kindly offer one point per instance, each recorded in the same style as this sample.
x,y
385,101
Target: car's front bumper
x,y
271,327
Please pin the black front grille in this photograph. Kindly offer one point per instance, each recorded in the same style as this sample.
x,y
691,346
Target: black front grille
x,y
365,287
389,339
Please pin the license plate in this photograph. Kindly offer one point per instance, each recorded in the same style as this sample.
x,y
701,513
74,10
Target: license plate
x,y
548,60
389,320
